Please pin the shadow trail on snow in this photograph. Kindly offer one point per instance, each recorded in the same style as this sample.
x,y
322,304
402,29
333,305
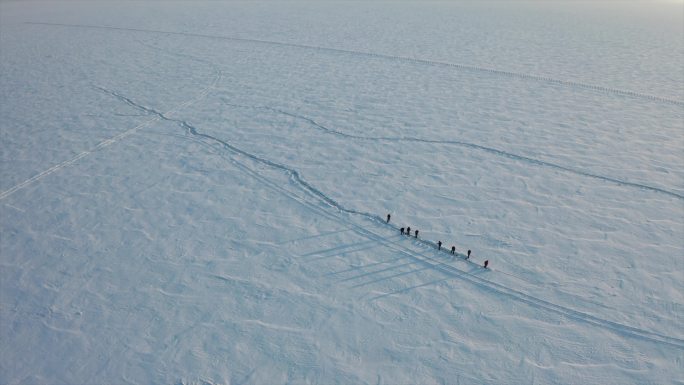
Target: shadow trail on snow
x,y
429,262
320,235
340,250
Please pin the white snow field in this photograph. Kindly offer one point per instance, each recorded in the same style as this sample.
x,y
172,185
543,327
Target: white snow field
x,y
196,192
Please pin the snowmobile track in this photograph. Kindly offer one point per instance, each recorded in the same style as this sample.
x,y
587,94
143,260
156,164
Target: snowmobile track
x,y
418,256
427,261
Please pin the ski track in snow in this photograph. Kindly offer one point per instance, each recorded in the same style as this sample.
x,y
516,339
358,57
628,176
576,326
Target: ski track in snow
x,y
435,63
429,262
114,139
473,146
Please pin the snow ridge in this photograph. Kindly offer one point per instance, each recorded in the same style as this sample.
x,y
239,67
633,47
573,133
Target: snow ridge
x,y
429,262
474,146
464,67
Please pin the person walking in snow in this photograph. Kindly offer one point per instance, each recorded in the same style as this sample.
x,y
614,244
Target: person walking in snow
x,y
416,233
402,231
439,245
486,263
468,256
388,218
453,249
408,231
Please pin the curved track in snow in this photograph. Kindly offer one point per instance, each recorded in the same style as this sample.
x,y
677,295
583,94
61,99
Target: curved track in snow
x,y
462,67
435,264
420,257
473,146
340,213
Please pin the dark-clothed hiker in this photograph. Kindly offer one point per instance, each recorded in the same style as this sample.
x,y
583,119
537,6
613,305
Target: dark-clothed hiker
x,y
388,218
486,263
416,233
468,254
408,231
402,231
453,249
439,245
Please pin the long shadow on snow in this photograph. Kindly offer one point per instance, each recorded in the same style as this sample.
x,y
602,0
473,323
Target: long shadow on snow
x,y
420,257
407,289
361,267
319,235
342,250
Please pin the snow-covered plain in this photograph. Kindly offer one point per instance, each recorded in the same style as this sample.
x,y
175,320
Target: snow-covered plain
x,y
194,193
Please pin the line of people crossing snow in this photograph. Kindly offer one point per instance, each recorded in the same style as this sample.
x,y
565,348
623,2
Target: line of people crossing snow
x,y
407,231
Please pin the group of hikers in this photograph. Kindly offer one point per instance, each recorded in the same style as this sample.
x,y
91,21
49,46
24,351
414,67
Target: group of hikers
x,y
407,231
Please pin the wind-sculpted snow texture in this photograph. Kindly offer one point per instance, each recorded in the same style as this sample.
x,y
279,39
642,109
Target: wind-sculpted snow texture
x,y
196,193
560,82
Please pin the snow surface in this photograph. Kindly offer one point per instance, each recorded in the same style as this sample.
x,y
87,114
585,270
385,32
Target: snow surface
x,y
195,192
